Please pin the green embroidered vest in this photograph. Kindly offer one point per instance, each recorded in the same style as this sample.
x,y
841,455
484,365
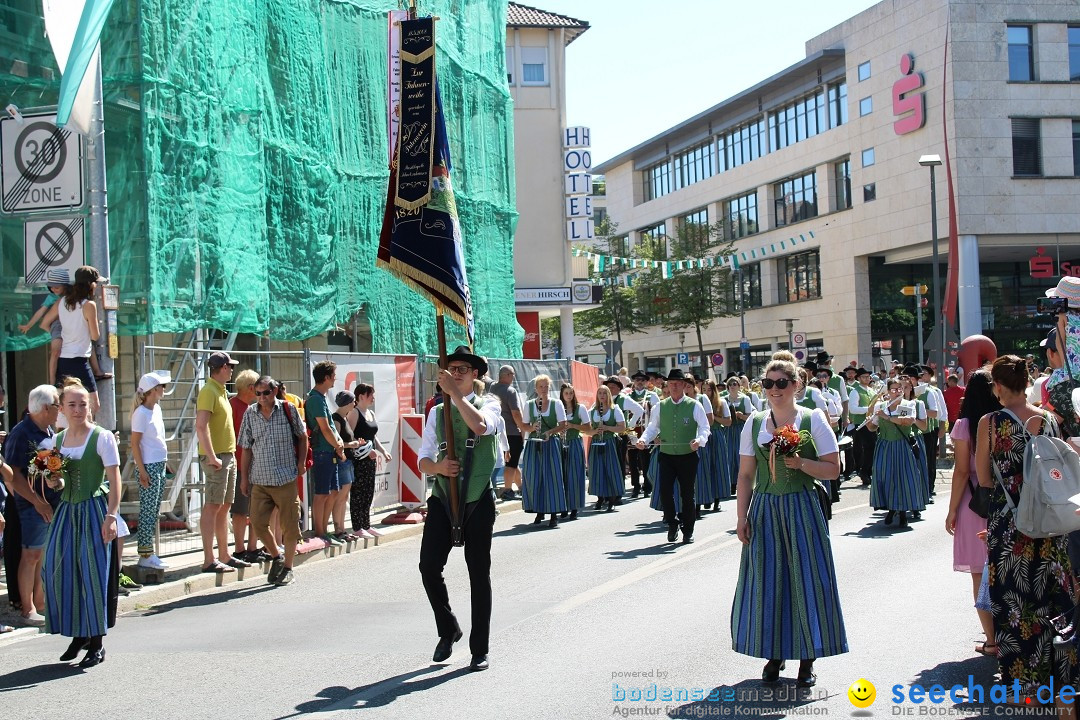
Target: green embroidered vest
x,y
548,421
573,418
677,426
601,422
931,423
83,478
865,395
807,402
787,480
483,458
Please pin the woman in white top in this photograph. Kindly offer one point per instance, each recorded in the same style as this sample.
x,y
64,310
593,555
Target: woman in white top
x,y
150,453
606,421
542,459
577,422
79,331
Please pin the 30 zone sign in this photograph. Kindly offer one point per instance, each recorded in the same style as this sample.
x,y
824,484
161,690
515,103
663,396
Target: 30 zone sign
x,y
40,165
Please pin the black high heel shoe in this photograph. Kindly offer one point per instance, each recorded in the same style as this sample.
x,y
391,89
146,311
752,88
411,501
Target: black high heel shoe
x,y
889,517
806,677
554,521
903,519
77,646
611,506
771,673
539,519
93,657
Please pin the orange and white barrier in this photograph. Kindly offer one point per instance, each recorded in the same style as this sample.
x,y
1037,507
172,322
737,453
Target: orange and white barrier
x,y
412,487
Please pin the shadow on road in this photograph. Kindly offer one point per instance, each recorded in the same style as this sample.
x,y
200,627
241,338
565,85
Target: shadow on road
x,y
665,548
29,678
752,698
377,694
877,530
653,528
202,600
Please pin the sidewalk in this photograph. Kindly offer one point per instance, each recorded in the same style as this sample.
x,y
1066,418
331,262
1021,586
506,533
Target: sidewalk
x,y
185,577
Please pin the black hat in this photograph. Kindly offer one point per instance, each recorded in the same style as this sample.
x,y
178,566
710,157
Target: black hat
x,y
1050,341
926,369
639,375
677,374
861,371
730,375
912,371
810,366
852,368
614,380
823,357
653,375
465,354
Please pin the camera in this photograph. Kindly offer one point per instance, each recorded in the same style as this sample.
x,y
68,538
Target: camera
x,y
1051,305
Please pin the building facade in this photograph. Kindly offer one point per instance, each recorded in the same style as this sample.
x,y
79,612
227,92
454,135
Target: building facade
x,y
815,175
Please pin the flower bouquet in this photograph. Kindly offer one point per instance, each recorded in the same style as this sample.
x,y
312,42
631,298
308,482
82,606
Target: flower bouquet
x,y
48,466
785,443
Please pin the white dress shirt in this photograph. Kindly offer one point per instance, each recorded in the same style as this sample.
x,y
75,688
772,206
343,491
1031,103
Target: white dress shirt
x,y
491,410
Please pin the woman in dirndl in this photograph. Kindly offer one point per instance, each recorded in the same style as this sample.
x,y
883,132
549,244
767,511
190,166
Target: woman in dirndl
x,y
606,480
705,490
81,566
577,421
741,407
786,603
718,450
898,485
543,457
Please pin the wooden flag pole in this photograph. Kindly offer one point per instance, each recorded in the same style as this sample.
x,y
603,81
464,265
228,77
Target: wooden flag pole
x,y
456,534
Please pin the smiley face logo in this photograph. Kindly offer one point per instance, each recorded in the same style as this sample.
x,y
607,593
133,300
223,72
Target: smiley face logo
x,y
862,693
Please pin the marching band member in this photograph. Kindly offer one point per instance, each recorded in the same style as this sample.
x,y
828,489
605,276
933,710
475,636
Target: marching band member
x,y
717,449
607,421
742,407
632,413
896,472
577,421
543,461
705,490
861,400
639,459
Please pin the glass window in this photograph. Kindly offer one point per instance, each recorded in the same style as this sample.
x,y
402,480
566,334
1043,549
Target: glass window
x,y
750,276
800,276
1076,148
534,66
1021,53
656,232
864,71
797,121
742,144
796,199
838,104
1074,53
1027,150
866,106
509,66
842,179
693,165
869,192
696,226
868,157
741,216
656,180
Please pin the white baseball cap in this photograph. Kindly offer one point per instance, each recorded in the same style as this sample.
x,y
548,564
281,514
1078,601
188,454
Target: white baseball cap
x,y
151,380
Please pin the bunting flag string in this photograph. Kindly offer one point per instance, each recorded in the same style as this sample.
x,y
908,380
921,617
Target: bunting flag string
x,y
601,263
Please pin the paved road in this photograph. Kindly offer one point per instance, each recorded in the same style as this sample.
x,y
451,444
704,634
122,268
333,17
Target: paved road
x,y
598,601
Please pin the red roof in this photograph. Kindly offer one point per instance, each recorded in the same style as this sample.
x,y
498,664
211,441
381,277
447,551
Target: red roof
x,y
518,15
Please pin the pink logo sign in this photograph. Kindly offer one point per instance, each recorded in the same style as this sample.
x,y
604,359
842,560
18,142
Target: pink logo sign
x,y
908,104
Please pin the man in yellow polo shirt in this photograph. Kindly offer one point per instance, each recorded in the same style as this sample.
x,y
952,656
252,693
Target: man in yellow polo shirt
x,y
217,456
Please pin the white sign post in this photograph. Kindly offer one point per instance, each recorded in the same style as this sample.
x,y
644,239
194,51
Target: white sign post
x,y
41,165
51,245
577,161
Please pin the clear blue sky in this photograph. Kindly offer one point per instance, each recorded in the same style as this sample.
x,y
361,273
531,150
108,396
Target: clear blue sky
x,y
644,66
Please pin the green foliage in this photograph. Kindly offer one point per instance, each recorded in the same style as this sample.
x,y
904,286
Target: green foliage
x,y
615,315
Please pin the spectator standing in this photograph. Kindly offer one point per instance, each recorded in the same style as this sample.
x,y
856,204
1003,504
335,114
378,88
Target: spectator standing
x,y
1053,359
510,404
34,502
328,450
346,403
78,315
217,456
58,281
366,428
150,452
5,479
238,511
275,445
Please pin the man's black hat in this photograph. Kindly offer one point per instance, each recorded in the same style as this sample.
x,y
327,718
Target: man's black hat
x,y
861,371
823,357
810,366
912,371
677,374
465,354
614,380
639,375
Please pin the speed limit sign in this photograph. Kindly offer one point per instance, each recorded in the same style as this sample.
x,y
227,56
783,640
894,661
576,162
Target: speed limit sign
x,y
41,166
798,339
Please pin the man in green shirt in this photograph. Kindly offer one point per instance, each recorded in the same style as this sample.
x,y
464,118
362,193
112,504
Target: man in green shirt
x,y
475,421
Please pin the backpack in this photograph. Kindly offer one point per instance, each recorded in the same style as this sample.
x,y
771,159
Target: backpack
x,y
289,410
1051,477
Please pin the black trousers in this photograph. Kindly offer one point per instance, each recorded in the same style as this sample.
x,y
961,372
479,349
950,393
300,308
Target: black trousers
x,y
865,440
435,548
639,466
930,439
684,469
621,443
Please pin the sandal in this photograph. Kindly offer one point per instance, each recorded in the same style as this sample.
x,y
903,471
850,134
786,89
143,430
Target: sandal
x,y
987,648
103,376
217,567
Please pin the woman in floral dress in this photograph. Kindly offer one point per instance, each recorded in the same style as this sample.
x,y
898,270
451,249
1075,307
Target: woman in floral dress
x,y
1031,580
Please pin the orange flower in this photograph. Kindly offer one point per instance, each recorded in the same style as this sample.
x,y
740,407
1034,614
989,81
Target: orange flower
x,y
55,463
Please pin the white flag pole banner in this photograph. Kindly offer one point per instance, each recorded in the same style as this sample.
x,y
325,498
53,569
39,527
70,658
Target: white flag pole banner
x,y
61,21
393,377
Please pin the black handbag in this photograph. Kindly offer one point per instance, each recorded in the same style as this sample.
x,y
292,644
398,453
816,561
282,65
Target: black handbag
x,y
824,499
980,500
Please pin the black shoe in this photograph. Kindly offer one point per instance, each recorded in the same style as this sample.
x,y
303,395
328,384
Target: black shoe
x,y
445,647
93,657
687,539
807,677
611,506
599,505
672,533
699,515
539,519
479,663
716,506
573,514
277,567
618,501
77,645
771,673
633,495
866,483
889,517
903,519
554,521
930,500
916,515
564,514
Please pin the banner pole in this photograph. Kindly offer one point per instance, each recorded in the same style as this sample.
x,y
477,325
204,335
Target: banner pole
x,y
456,536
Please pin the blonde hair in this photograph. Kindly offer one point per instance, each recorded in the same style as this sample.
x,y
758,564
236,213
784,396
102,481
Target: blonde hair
x,y
538,378
604,390
69,384
711,392
784,365
245,379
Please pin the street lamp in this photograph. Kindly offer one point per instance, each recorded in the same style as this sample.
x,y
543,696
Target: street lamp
x,y
932,161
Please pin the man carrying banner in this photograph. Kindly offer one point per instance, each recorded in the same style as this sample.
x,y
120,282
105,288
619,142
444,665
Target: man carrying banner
x,y
472,433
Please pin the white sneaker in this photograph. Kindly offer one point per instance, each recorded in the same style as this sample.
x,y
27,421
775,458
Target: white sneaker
x,y
153,562
34,619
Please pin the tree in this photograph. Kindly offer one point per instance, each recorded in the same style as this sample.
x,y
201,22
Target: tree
x,y
551,334
615,315
698,292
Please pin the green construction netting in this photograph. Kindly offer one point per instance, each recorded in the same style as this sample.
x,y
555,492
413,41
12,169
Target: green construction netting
x,y
247,165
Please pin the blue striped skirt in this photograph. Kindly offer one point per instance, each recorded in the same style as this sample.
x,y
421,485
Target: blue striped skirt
x,y
898,484
924,472
705,486
605,475
542,477
75,570
786,604
720,446
654,473
734,435
574,474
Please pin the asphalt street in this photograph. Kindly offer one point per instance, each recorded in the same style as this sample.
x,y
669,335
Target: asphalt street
x,y
597,606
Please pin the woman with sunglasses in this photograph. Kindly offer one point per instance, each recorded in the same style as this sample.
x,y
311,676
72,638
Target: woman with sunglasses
x,y
542,466
897,481
786,603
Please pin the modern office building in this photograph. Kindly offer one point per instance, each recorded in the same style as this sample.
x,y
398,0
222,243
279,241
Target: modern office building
x,y
815,174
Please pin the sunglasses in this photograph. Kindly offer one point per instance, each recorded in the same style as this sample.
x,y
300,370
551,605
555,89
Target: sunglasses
x,y
781,384
264,393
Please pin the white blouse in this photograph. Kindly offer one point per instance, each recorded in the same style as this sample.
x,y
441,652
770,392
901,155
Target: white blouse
x,y
820,430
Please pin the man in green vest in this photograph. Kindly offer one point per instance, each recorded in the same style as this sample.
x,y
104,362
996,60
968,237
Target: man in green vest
x,y
475,421
683,427
859,405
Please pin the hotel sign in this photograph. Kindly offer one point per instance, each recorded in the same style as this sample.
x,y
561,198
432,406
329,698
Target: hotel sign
x,y
908,103
577,162
534,296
